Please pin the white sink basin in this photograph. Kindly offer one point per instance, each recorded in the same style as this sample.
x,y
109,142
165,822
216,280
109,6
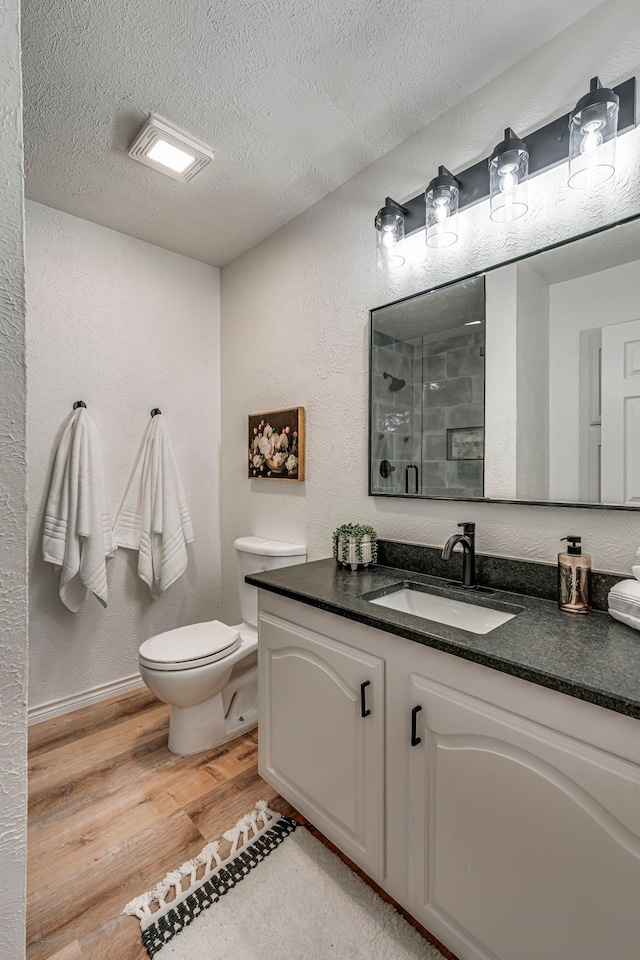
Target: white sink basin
x,y
455,613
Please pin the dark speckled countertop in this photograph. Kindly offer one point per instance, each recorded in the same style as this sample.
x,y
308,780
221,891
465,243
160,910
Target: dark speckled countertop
x,y
592,657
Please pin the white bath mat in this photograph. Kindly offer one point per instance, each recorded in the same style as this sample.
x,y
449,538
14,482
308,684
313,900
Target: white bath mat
x,y
279,895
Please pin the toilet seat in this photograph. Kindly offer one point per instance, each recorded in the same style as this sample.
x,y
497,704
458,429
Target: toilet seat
x,y
192,646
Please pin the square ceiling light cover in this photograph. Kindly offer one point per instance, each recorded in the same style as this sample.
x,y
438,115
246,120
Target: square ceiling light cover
x,y
170,150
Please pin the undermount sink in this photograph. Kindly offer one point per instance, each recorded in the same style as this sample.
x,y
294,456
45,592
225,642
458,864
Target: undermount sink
x,y
443,609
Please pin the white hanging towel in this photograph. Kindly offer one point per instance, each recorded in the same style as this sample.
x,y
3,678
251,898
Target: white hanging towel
x,y
154,518
77,530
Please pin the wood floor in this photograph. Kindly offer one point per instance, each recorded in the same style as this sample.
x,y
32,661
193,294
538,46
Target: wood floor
x,y
111,810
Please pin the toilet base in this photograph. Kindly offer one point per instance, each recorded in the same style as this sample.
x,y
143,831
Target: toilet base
x,y
186,739
221,718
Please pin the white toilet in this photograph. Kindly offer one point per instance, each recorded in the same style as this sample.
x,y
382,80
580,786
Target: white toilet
x,y
208,672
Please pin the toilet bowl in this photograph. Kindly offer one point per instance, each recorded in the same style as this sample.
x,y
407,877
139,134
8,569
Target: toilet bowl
x,y
208,672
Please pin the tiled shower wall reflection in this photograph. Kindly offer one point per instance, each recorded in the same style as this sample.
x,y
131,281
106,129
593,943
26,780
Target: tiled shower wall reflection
x,y
439,385
453,397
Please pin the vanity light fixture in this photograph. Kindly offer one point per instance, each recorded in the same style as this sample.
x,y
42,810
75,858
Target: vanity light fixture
x,y
389,232
593,126
586,137
508,175
170,150
441,209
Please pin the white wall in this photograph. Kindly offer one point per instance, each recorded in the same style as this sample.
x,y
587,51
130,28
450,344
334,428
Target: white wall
x,y
295,309
517,384
501,384
13,505
598,300
532,456
124,326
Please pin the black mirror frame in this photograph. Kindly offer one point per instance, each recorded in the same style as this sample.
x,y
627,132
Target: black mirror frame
x,y
470,276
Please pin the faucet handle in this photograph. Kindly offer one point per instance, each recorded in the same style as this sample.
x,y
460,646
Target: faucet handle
x,y
468,529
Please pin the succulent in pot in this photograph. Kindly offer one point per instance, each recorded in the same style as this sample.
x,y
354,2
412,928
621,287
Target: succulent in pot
x,y
354,545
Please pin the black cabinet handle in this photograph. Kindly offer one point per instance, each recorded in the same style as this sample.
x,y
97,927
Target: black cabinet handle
x,y
363,699
414,739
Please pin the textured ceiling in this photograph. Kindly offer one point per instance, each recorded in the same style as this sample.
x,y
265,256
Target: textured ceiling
x,y
295,97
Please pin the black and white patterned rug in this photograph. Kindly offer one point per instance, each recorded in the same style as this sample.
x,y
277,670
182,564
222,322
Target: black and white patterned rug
x,y
270,899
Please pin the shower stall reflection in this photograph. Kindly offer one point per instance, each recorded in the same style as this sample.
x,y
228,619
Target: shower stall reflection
x,y
427,398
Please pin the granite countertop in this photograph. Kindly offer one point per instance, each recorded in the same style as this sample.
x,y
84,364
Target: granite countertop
x,y
592,657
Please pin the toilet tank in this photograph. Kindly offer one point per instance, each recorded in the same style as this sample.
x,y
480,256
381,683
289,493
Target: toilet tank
x,y
255,555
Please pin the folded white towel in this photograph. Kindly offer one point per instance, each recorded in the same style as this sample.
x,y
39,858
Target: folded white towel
x,y
154,518
77,529
624,602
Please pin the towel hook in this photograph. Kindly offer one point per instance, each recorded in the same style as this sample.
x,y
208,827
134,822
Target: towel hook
x,y
79,403
156,411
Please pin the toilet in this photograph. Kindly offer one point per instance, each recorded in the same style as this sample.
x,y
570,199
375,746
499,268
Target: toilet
x,y
208,672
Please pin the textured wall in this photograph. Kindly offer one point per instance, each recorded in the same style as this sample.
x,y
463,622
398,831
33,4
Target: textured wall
x,y
13,508
295,312
124,326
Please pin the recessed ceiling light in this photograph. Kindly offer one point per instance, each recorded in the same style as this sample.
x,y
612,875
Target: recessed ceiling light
x,y
170,156
170,150
472,323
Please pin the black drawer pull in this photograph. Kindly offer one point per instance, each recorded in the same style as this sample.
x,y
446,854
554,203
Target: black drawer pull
x,y
363,699
414,739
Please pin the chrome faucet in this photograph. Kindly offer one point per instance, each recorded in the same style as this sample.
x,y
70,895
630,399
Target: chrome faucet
x,y
467,540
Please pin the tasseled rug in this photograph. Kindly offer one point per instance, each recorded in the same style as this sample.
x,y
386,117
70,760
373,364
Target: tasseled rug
x,y
302,903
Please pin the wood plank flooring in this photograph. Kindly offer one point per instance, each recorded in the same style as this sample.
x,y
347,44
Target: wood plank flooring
x,y
111,810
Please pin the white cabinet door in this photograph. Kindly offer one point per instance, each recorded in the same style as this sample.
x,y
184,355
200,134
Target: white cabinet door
x,y
524,844
322,734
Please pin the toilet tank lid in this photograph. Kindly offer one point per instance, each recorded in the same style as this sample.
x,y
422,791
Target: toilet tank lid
x,y
193,642
269,548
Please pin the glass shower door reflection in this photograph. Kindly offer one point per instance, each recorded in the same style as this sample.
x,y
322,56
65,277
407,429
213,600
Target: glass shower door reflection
x,y
396,415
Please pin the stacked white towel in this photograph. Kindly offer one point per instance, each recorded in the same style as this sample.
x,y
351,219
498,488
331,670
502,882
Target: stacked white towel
x,y
154,518
77,530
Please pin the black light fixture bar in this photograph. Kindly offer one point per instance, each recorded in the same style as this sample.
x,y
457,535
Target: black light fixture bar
x,y
548,147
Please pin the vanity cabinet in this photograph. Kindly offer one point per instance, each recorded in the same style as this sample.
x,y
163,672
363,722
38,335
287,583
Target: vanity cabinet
x,y
508,821
525,842
322,735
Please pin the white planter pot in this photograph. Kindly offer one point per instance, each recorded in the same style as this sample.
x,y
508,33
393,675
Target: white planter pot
x,y
348,552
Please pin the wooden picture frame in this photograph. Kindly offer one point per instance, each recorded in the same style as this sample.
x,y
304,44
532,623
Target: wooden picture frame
x,y
275,445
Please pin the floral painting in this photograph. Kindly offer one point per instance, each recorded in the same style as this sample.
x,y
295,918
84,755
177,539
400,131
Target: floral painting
x,y
276,445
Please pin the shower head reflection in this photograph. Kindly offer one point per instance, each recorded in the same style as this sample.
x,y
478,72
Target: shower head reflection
x,y
396,382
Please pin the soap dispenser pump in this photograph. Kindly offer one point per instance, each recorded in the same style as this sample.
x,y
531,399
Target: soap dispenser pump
x,y
574,578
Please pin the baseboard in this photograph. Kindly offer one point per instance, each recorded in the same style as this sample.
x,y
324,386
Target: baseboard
x,y
56,708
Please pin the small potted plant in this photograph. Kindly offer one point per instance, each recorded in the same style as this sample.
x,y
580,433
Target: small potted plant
x,y
354,545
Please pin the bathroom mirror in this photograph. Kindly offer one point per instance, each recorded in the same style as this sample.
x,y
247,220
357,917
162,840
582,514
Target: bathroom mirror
x,y
519,384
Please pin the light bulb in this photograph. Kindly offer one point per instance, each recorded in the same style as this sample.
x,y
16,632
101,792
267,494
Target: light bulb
x,y
441,209
388,238
592,137
508,177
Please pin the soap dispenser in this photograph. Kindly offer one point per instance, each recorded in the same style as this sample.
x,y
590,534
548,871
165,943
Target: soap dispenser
x,y
574,578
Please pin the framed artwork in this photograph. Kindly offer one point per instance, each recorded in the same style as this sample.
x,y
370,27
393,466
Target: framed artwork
x,y
276,445
465,443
